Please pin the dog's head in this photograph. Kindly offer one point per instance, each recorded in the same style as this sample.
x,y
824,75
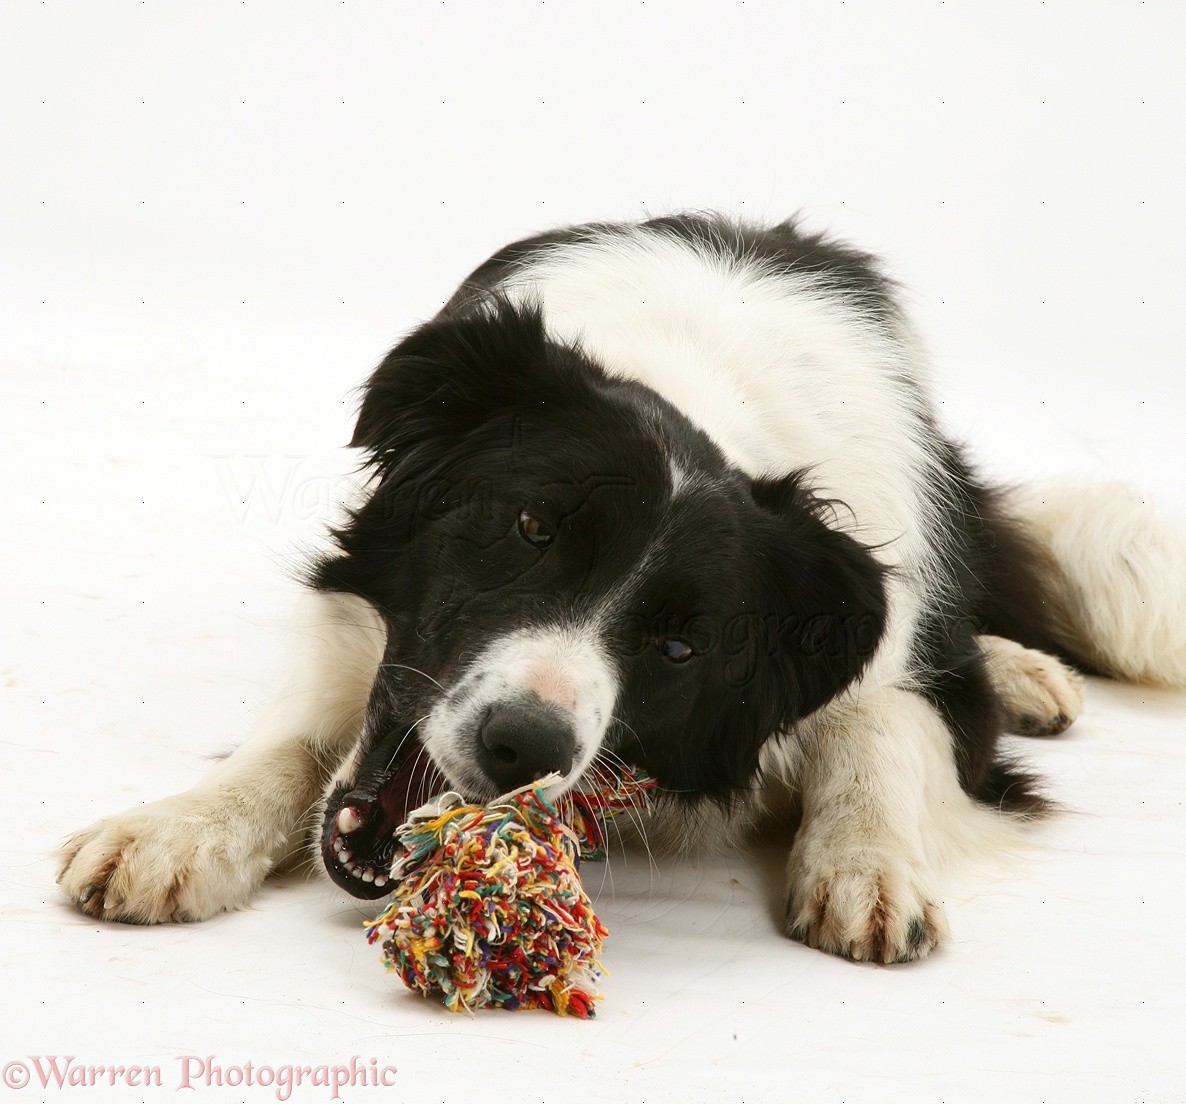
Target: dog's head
x,y
572,575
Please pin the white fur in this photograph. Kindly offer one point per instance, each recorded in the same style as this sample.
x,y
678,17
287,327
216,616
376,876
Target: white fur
x,y
783,374
780,371
882,820
1042,696
883,816
197,853
566,665
1117,577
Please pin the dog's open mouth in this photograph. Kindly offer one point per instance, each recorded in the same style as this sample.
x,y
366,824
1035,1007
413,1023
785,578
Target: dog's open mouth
x,y
358,834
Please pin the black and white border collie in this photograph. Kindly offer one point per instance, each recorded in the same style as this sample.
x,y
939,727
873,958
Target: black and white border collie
x,y
673,494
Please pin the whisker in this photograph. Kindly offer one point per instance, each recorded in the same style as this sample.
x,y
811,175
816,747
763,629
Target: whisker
x,y
415,670
421,796
618,720
403,740
632,809
635,809
607,873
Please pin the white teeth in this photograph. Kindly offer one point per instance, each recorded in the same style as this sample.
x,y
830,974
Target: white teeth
x,y
348,819
365,874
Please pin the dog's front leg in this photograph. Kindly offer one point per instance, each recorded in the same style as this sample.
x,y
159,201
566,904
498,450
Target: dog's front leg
x,y
881,803
204,851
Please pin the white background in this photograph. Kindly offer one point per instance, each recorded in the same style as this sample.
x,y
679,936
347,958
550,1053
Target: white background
x,y
215,217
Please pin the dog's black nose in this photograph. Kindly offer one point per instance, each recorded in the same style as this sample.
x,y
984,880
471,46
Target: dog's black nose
x,y
519,743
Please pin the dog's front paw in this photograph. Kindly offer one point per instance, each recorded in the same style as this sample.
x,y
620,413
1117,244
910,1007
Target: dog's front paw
x,y
867,905
173,860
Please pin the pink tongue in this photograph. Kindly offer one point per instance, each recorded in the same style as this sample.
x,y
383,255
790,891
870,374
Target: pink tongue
x,y
411,786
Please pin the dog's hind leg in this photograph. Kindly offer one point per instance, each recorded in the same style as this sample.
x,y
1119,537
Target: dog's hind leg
x,y
204,851
1112,573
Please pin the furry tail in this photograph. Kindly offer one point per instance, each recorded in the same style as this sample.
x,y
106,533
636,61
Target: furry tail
x,y
1113,577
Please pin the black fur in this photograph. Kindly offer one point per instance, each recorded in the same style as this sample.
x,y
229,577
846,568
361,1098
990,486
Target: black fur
x,y
477,415
993,587
784,248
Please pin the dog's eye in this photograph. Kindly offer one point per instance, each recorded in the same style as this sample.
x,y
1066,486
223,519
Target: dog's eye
x,y
534,531
674,649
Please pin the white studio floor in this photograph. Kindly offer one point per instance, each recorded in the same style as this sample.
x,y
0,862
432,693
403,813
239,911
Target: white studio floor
x,y
214,219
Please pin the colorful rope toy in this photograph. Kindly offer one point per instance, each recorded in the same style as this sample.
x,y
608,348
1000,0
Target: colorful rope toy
x,y
489,907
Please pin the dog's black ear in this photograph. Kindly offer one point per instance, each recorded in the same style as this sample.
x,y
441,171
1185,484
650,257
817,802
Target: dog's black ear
x,y
452,375
825,590
450,380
